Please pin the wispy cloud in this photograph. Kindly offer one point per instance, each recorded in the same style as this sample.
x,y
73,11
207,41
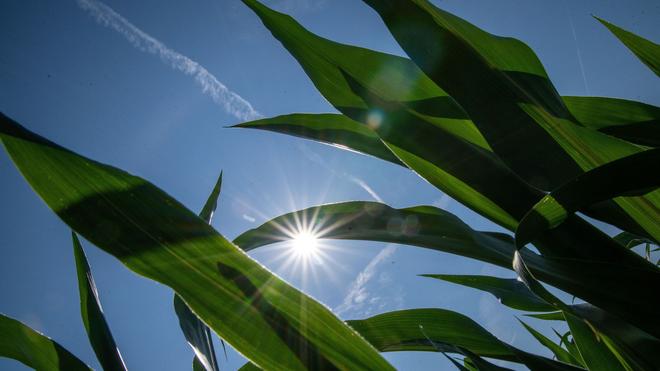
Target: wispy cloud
x,y
313,156
366,187
233,103
359,300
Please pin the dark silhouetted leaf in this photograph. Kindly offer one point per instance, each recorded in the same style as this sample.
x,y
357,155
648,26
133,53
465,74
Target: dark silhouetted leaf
x,y
96,326
617,178
509,291
559,352
633,121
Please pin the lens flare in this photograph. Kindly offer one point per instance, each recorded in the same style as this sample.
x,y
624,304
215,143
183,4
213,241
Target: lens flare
x,y
305,244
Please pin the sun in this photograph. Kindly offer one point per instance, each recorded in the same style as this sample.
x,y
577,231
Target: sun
x,y
305,244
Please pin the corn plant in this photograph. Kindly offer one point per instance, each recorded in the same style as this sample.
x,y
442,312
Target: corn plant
x,y
473,114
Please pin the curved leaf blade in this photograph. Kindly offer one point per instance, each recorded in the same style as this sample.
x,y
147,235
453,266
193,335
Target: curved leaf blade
x,y
647,51
20,342
594,352
508,291
334,129
617,178
629,120
409,330
559,352
423,226
91,312
195,331
440,330
436,229
157,237
525,120
391,96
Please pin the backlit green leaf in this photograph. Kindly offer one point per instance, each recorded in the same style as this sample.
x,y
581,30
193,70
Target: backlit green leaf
x,y
20,342
444,331
647,51
620,177
525,120
429,227
633,121
265,319
196,332
592,347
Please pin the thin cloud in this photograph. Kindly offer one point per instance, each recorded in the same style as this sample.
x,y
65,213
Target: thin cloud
x,y
313,156
366,187
232,103
358,296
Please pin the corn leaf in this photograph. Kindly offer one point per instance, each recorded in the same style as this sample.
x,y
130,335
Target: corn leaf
x,y
20,342
96,326
430,227
633,121
647,51
249,367
597,347
614,179
629,240
423,226
592,348
271,323
508,291
441,330
392,97
559,352
334,129
411,115
525,120
196,332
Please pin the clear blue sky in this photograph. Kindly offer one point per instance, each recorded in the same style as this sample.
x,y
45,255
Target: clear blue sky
x,y
82,84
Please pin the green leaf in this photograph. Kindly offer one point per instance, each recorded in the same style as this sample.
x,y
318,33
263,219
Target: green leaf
x,y
196,332
96,326
429,227
392,97
596,354
559,352
157,237
212,202
423,226
20,342
629,240
334,129
620,177
408,330
525,120
508,291
639,348
633,121
603,348
647,51
249,367
441,330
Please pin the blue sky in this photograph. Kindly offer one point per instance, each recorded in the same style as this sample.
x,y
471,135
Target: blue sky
x,y
101,88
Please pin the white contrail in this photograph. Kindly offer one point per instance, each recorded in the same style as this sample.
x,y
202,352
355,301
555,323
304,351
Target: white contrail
x,y
358,294
233,103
